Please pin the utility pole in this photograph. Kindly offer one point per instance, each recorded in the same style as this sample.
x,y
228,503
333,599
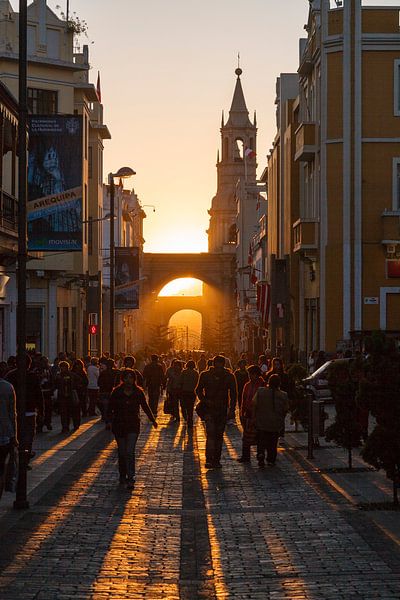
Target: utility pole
x,y
21,501
112,261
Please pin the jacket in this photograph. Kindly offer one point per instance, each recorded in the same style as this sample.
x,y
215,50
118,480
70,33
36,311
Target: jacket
x,y
249,390
8,414
154,376
270,408
217,389
189,380
123,410
34,395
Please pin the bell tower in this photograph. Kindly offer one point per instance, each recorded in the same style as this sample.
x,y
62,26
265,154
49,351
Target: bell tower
x,y
237,160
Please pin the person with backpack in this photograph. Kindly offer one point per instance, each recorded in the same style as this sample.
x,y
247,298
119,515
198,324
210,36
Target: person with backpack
x,y
270,408
216,391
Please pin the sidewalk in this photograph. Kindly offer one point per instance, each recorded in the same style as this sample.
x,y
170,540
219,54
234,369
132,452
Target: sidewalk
x,y
363,486
56,453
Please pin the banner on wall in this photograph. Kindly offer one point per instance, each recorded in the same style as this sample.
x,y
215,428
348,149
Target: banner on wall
x,y
54,210
127,277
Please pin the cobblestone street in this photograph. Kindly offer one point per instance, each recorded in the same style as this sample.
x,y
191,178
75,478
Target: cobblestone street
x,y
188,533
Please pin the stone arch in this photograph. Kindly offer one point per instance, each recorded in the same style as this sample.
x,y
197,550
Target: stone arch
x,y
216,271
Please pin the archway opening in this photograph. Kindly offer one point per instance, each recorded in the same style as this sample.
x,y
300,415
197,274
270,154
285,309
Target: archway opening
x,y
184,286
185,330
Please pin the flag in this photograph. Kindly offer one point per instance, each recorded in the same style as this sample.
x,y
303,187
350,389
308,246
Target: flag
x,y
98,88
264,303
249,153
253,277
250,255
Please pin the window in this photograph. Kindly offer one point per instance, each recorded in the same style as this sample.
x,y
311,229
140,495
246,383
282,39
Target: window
x,y
396,87
396,185
42,102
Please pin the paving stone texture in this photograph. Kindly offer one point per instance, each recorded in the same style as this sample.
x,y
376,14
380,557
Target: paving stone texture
x,y
187,533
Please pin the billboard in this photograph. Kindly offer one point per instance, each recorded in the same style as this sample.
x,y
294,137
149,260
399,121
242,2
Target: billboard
x,y
54,209
127,277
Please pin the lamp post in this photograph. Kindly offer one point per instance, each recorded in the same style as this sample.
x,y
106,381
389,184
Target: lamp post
x,y
122,173
21,501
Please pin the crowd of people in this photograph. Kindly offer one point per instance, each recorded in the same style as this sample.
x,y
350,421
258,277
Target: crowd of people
x,y
116,390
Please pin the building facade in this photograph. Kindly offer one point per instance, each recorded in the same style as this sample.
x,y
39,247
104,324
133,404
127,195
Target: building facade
x,y
128,232
8,217
339,206
58,84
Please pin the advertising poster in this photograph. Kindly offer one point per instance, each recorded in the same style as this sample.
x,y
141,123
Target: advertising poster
x,y
126,277
55,183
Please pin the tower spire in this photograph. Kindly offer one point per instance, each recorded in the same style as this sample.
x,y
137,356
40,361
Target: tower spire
x,y
238,114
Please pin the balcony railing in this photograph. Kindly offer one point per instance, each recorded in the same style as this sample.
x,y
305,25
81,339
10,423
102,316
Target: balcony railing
x,y
305,235
306,142
8,212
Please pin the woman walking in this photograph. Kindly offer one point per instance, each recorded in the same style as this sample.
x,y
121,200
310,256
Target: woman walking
x,y
246,411
123,418
189,381
81,382
270,408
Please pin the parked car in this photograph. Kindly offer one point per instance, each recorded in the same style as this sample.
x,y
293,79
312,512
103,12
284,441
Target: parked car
x,y
317,383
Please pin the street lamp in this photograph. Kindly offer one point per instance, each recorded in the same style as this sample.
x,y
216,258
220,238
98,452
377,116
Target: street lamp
x,y
21,500
122,173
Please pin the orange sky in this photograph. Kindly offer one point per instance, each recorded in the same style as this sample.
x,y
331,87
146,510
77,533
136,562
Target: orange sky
x,y
167,71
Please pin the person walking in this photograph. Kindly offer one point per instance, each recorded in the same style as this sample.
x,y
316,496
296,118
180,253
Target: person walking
x,y
270,408
107,381
249,437
188,384
93,373
43,371
154,381
216,390
173,377
81,382
129,362
242,377
67,395
123,418
8,423
33,405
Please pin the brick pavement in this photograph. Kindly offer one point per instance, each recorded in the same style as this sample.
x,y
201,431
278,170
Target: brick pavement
x,y
187,533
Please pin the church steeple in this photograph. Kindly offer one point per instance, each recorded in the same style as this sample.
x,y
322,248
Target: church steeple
x,y
238,134
238,114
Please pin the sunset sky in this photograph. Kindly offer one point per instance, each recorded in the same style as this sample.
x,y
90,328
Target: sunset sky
x,y
167,71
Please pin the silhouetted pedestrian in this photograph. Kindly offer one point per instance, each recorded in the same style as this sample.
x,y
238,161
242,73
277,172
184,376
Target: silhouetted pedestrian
x,y
123,418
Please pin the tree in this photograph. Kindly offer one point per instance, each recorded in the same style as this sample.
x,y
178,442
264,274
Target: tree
x,y
74,23
343,380
161,339
381,392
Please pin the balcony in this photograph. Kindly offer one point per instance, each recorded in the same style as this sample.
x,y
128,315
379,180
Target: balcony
x,y
305,236
8,214
306,142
